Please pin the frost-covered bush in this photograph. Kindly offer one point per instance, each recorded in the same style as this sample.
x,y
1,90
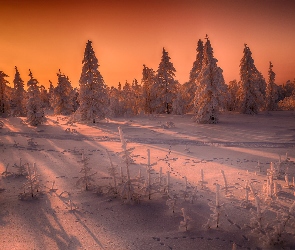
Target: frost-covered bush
x,y
32,186
288,103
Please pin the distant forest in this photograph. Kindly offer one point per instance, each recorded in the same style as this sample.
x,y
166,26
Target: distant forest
x,y
205,95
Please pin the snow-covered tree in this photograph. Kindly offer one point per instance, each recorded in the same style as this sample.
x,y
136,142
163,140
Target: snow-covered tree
x,y
147,81
250,93
271,90
93,97
232,100
165,87
44,96
136,97
115,108
75,99
179,105
35,112
197,65
4,96
209,97
19,95
63,96
191,85
127,99
50,93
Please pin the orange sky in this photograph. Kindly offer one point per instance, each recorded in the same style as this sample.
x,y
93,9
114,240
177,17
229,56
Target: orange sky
x,y
49,35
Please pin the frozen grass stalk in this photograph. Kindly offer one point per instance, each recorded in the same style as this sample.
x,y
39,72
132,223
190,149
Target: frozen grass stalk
x,y
202,182
112,171
168,182
225,182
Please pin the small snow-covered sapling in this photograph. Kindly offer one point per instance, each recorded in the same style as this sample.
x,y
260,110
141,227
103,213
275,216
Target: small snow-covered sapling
x,y
225,182
6,173
160,180
259,166
112,171
32,183
126,189
185,192
287,181
21,168
186,220
273,233
86,178
202,182
286,157
256,220
168,184
172,202
246,203
149,186
272,171
217,209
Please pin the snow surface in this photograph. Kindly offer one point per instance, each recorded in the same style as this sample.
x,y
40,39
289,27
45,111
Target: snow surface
x,y
99,221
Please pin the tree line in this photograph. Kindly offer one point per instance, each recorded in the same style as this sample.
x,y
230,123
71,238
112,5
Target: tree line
x,y
204,95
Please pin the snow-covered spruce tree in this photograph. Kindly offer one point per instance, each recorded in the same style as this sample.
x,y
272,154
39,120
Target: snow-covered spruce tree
x,y
271,90
147,81
137,97
114,103
209,97
35,112
232,100
4,96
44,96
50,94
63,96
191,85
250,92
127,99
179,105
92,97
19,95
165,87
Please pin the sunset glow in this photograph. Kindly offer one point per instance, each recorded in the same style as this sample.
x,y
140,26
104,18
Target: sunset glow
x,y
51,35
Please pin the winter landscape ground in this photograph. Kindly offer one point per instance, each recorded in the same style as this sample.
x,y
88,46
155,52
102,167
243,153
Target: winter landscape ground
x,y
62,215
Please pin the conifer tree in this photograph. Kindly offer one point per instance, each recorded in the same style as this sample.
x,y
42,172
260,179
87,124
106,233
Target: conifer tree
x,y
271,90
19,95
63,96
44,96
147,81
4,96
179,105
232,100
165,87
197,65
93,97
50,94
35,112
191,85
209,97
114,102
136,97
250,92
127,99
